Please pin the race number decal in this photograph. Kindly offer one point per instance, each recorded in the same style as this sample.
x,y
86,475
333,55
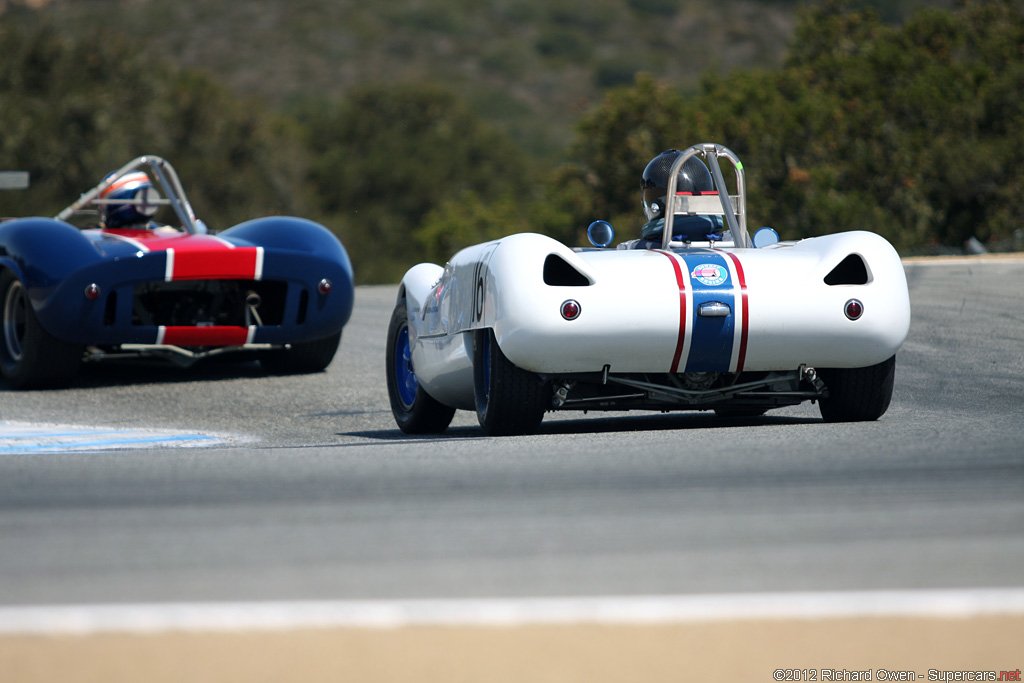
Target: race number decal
x,y
479,280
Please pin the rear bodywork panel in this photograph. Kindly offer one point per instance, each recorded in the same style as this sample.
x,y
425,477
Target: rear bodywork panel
x,y
675,311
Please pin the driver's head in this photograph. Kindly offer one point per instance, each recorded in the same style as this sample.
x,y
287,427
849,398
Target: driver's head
x,y
693,176
138,205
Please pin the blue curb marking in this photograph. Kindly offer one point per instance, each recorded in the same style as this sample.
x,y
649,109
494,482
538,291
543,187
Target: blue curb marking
x,y
29,439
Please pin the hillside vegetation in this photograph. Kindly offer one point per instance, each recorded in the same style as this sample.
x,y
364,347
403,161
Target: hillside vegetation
x,y
414,130
533,67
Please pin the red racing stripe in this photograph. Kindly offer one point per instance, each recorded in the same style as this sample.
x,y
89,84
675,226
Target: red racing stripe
x,y
682,311
197,257
243,263
209,335
745,320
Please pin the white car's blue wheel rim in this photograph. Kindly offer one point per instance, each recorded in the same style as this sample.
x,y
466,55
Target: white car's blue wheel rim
x,y
405,376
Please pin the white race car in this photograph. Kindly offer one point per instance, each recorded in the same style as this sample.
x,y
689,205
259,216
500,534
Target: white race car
x,y
700,317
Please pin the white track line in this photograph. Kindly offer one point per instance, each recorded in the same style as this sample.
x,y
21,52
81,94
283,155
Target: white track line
x,y
622,610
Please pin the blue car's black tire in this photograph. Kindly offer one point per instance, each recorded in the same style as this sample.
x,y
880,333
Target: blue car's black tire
x,y
509,400
30,357
302,358
857,394
415,411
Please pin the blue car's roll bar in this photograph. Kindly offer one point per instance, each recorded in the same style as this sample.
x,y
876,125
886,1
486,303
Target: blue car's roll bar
x,y
168,178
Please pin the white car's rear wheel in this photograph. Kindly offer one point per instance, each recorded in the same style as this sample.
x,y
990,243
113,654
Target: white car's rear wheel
x,y
857,394
509,400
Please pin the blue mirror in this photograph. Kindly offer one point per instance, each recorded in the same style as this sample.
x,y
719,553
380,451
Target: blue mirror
x,y
765,237
600,233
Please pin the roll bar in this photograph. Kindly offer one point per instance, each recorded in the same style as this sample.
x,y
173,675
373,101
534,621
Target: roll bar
x,y
733,207
174,193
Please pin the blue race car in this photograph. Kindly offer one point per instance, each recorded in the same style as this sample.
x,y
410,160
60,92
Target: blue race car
x,y
278,288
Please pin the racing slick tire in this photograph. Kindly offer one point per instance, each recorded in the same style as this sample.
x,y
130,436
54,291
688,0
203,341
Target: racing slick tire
x,y
302,358
510,401
30,357
415,411
857,394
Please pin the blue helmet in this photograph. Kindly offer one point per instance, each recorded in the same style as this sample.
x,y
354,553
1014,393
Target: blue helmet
x,y
139,205
693,177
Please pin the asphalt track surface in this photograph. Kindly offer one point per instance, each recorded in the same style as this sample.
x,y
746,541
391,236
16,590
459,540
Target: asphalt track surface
x,y
245,488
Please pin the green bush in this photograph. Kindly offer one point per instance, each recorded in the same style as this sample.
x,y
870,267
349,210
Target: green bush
x,y
389,158
662,7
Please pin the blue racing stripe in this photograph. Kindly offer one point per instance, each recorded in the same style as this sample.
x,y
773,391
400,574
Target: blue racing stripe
x,y
711,341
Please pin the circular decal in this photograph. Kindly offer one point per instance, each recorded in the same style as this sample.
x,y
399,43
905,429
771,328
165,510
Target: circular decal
x,y
709,274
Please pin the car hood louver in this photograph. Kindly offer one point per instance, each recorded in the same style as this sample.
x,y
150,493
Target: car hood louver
x,y
852,270
560,273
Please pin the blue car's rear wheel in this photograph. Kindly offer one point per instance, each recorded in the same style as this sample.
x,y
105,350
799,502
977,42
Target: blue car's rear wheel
x,y
509,400
303,357
30,357
415,411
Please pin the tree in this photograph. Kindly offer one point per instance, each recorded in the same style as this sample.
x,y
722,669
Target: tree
x,y
387,158
912,131
73,111
615,140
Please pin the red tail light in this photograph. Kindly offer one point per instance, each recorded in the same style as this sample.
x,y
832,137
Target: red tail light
x,y
854,309
570,309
